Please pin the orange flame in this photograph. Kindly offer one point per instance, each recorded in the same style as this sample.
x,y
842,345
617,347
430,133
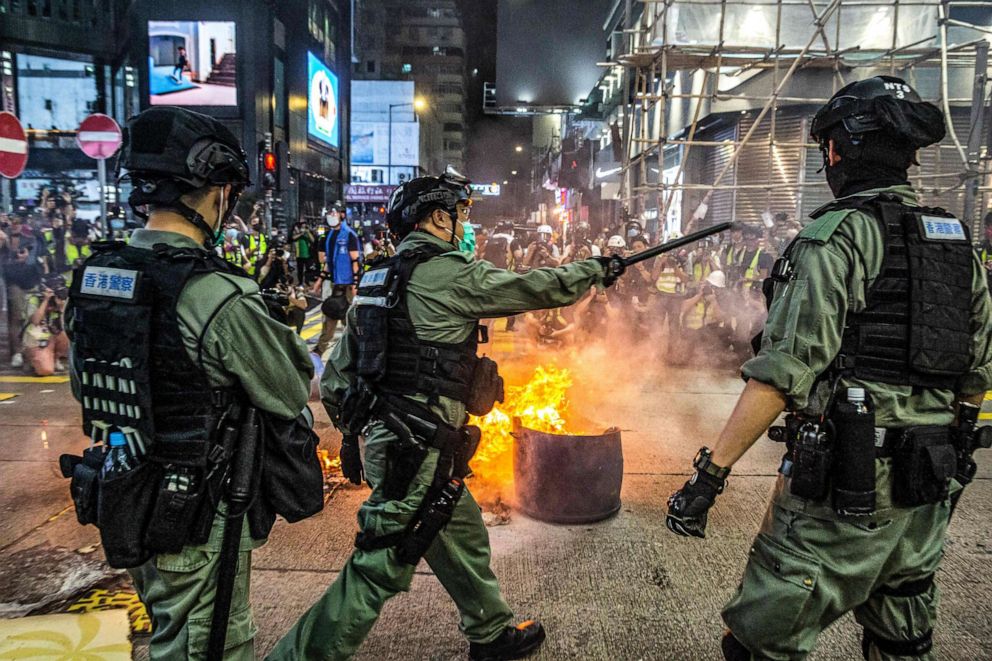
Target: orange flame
x,y
540,404
327,464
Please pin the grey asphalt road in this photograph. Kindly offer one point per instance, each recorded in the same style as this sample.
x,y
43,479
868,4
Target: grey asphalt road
x,y
624,588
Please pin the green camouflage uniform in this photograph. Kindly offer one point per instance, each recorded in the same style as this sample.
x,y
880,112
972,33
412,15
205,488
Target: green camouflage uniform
x,y
178,588
808,566
446,297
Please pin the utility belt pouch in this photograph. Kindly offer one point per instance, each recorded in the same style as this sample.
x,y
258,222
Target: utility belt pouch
x,y
403,458
84,485
176,513
434,516
923,465
472,435
181,498
811,461
487,387
854,465
125,505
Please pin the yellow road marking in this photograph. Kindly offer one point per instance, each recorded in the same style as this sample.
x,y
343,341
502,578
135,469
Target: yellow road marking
x,y
985,416
101,600
312,332
4,396
34,379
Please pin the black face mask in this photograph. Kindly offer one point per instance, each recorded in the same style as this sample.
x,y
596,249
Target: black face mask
x,y
869,164
851,176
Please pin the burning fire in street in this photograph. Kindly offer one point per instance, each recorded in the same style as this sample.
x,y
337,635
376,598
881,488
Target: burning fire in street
x,y
327,463
540,404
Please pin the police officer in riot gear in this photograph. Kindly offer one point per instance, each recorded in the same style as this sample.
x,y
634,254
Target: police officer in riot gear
x,y
166,337
878,344
404,376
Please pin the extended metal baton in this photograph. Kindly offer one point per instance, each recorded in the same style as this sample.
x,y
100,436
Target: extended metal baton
x,y
676,244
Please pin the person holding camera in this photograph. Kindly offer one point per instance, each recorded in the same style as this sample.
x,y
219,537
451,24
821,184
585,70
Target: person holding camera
x,y
45,344
543,252
21,274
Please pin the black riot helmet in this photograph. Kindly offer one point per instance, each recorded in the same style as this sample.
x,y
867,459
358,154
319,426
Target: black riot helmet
x,y
169,152
412,201
877,124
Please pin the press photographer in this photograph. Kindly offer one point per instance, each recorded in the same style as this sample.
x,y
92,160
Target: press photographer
x,y
44,341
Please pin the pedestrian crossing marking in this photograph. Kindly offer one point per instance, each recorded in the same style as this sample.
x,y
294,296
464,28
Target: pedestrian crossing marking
x,y
985,416
34,379
102,600
4,396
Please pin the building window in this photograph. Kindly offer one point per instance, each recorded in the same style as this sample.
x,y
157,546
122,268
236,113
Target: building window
x,y
434,12
407,68
370,66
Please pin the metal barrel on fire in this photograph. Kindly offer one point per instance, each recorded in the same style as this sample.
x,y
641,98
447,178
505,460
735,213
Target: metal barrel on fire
x,y
676,243
566,478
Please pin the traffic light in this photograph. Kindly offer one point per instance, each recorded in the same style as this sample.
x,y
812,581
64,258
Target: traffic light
x,y
268,170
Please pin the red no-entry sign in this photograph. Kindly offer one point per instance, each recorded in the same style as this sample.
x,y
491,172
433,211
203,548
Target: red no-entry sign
x,y
13,146
99,136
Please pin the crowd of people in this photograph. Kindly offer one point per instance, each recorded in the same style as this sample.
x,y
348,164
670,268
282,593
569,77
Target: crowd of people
x,y
39,247
704,299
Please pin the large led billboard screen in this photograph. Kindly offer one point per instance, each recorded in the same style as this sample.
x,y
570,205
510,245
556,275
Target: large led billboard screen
x,y
322,102
192,63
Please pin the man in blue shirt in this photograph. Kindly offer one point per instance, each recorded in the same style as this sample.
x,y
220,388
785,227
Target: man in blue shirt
x,y
339,275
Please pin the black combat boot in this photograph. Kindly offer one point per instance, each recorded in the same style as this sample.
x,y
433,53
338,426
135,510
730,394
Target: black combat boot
x,y
514,643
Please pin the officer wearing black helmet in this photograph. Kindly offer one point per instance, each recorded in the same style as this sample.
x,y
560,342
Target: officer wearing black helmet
x,y
404,376
877,343
167,339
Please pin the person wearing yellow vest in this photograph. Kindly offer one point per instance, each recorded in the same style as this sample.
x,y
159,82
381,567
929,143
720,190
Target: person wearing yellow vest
x,y
670,279
705,326
232,250
46,345
256,245
75,248
755,260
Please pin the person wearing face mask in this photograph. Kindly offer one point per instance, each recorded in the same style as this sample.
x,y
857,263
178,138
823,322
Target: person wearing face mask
x,y
878,343
341,261
168,340
406,374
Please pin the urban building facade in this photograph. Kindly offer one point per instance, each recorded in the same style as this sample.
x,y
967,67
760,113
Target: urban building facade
x,y
421,41
277,74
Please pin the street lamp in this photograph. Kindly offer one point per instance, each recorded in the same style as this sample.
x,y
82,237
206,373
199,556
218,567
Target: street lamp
x,y
519,148
419,103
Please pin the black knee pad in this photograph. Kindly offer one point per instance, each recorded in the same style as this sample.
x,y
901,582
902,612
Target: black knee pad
x,y
916,647
732,648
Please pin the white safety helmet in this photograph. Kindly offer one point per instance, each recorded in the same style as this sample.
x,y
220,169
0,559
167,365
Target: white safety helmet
x,y
717,279
545,229
616,241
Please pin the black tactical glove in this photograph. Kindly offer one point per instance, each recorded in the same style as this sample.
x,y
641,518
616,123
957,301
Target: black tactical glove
x,y
351,460
688,507
613,268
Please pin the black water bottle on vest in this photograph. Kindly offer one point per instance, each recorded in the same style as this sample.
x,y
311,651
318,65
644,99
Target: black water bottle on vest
x,y
854,465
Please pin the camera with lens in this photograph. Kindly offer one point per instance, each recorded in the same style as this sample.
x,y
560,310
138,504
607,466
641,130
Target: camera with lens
x,y
56,283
